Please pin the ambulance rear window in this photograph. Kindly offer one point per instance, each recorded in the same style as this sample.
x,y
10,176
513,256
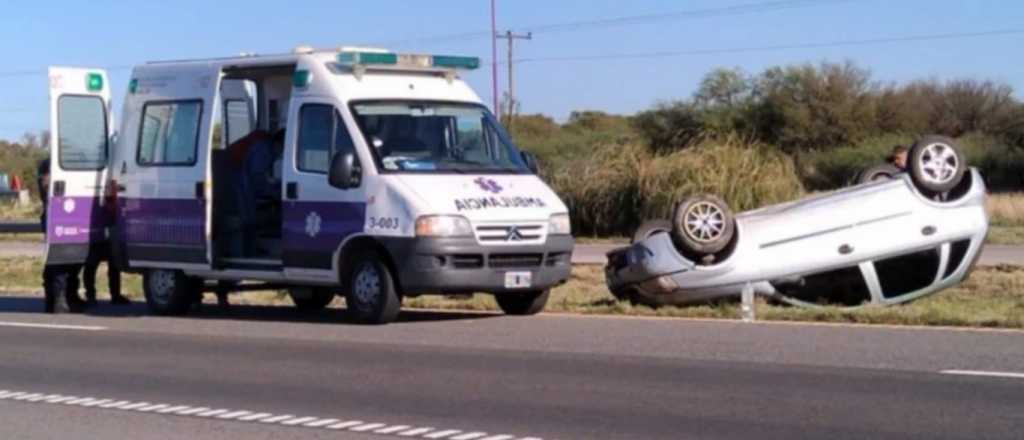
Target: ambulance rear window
x,y
82,140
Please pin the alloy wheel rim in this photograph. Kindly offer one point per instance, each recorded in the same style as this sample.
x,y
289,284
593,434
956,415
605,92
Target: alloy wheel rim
x,y
939,163
704,222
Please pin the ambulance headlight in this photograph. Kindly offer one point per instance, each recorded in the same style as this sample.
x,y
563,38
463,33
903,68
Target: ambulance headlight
x,y
559,225
443,226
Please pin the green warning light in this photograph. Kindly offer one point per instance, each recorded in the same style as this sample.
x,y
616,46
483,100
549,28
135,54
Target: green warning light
x,y
94,82
133,85
301,78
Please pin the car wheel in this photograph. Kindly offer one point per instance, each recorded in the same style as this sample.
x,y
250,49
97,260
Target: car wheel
x,y
311,298
371,296
885,171
936,164
702,225
527,303
651,227
168,292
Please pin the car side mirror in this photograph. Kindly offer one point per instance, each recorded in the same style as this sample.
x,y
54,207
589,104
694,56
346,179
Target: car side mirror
x,y
345,172
531,161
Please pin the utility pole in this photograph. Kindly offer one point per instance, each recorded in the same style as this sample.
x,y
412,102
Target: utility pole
x,y
494,61
512,37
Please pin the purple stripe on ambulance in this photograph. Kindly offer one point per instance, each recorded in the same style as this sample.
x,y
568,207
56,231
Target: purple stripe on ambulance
x,y
163,221
321,226
75,220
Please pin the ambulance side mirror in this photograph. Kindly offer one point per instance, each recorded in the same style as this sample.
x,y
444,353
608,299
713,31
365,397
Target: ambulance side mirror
x,y
345,172
531,161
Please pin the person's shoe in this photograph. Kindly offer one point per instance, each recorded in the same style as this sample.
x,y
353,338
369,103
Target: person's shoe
x,y
90,302
120,300
75,304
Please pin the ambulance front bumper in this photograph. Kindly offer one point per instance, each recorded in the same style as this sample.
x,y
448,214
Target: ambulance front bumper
x,y
462,265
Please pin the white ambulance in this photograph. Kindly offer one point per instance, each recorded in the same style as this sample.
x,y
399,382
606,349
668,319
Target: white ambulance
x,y
355,171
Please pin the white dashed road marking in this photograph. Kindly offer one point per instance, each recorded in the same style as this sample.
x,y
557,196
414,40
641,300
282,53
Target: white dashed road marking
x,y
1004,374
304,422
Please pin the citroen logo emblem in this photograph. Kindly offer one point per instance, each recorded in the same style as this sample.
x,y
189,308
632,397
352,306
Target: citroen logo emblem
x,y
513,234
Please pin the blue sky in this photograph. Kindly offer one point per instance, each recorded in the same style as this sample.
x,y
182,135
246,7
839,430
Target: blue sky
x,y
108,33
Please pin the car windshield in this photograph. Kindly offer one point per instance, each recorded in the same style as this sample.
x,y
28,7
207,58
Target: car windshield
x,y
430,137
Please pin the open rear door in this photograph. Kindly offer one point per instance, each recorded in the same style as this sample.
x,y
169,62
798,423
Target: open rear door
x,y
80,132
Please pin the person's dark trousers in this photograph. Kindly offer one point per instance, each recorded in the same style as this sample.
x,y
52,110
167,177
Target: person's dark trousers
x,y
60,286
113,280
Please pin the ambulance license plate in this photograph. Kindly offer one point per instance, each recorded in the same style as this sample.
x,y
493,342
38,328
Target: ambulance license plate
x,y
518,280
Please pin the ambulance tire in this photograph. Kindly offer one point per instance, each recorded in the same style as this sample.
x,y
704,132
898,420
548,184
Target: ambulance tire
x,y
523,304
371,296
312,299
168,292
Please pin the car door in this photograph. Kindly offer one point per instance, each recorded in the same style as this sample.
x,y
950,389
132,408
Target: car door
x,y
80,127
317,217
162,166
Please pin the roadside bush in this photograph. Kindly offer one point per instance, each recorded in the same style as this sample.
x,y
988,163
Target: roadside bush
x,y
614,190
1000,164
746,175
838,167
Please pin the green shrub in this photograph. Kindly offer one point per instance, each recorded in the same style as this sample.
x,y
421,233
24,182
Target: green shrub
x,y
1000,164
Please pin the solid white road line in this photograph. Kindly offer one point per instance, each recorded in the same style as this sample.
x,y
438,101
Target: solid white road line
x,y
91,328
249,416
1003,374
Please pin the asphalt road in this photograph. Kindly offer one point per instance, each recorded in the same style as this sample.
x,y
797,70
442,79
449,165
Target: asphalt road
x,y
494,377
992,255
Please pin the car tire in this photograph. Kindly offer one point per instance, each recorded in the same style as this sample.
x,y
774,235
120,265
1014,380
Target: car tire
x,y
371,295
168,292
936,164
702,225
523,304
885,171
649,228
312,299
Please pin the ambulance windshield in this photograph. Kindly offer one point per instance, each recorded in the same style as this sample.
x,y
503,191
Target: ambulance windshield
x,y
436,137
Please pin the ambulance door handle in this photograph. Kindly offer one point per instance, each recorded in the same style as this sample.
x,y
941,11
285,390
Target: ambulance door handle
x,y
200,190
58,188
291,190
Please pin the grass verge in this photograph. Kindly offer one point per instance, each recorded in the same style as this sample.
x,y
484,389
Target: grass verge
x,y
991,297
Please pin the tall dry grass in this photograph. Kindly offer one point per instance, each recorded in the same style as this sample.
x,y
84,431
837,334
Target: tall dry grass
x,y
1006,209
619,186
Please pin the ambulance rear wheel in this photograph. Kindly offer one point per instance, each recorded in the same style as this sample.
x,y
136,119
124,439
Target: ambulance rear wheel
x,y
528,303
311,298
371,296
168,292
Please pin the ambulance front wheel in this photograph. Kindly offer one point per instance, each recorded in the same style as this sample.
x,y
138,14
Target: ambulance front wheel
x,y
168,292
527,303
371,295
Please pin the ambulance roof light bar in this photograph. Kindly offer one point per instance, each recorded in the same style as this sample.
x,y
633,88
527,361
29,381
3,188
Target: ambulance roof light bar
x,y
360,61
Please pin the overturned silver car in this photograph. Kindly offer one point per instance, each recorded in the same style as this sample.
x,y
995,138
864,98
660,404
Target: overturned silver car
x,y
884,242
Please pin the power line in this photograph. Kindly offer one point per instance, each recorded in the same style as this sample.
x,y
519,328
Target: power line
x,y
741,9
839,43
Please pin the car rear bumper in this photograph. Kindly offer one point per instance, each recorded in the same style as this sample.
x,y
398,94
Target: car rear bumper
x,y
461,265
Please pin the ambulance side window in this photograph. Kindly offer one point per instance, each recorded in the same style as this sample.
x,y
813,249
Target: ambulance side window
x,y
83,133
169,135
322,133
